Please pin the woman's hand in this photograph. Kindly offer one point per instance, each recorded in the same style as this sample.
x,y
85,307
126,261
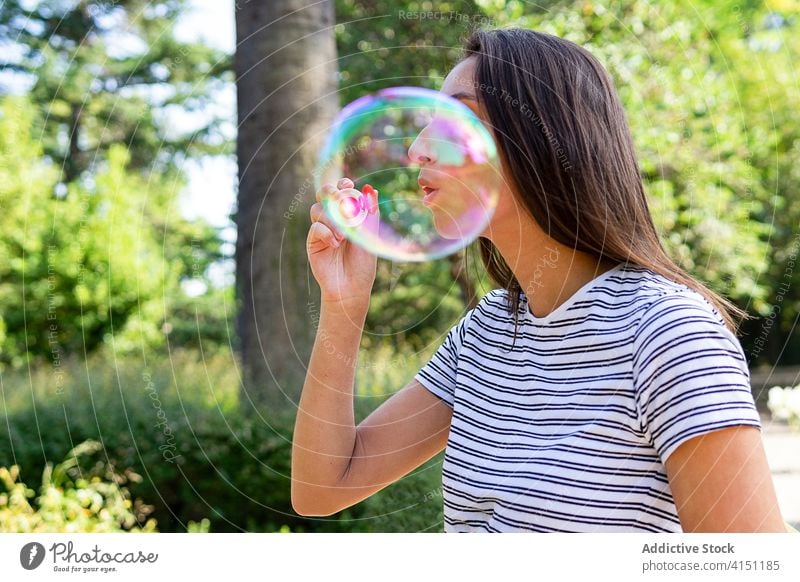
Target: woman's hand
x,y
345,272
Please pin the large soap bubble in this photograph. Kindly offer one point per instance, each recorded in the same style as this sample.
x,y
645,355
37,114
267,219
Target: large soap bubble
x,y
425,170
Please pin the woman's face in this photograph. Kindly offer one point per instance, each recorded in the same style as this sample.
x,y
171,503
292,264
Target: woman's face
x,y
460,85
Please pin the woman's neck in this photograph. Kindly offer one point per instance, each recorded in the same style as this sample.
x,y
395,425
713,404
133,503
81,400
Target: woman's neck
x,y
549,272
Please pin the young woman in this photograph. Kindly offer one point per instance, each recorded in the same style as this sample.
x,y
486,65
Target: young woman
x,y
600,388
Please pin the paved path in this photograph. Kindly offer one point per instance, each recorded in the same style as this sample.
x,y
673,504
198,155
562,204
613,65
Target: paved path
x,y
783,453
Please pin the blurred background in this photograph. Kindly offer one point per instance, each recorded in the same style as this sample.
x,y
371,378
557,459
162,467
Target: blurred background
x,y
156,307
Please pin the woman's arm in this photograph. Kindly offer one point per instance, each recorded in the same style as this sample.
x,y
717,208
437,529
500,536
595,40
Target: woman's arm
x,y
324,432
721,482
695,404
335,464
324,435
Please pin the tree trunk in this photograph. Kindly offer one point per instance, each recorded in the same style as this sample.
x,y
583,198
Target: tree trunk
x,y
72,162
286,81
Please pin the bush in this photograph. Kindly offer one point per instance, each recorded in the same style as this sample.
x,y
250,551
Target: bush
x,y
68,502
176,422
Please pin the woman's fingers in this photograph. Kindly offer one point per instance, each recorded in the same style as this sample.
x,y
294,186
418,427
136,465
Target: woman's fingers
x,y
329,189
344,183
320,237
373,220
325,191
318,215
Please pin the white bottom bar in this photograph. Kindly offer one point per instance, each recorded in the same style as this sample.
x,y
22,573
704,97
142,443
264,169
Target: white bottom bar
x,y
412,557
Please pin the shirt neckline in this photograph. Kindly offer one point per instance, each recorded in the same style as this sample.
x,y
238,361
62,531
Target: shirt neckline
x,y
579,294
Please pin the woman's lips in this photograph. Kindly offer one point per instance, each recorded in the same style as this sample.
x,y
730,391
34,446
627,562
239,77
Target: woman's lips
x,y
430,193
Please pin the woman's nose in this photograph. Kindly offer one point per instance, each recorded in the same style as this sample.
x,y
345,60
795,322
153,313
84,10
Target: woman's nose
x,y
421,151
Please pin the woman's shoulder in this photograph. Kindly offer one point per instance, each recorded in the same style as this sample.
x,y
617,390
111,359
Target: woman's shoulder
x,y
495,298
679,311
491,311
657,294
666,291
497,303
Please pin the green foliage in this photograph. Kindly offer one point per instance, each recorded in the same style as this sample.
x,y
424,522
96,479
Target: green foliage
x,y
380,44
110,72
90,225
178,424
96,263
71,263
70,502
412,302
203,321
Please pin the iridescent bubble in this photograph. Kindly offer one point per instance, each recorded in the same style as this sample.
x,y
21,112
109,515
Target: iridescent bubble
x,y
425,170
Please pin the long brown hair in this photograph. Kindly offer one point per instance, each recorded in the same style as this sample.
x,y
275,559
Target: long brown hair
x,y
567,150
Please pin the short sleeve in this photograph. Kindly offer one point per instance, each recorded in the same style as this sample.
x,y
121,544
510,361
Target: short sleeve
x,y
439,374
690,373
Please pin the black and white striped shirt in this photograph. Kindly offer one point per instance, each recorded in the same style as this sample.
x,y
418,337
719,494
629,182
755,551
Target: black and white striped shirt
x,y
569,430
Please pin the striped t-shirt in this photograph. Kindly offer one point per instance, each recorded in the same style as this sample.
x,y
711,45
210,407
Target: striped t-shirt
x,y
569,430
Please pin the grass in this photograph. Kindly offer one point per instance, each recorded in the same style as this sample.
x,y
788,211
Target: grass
x,y
231,469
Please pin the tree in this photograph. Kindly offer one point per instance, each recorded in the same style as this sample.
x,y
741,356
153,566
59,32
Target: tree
x,y
111,71
285,66
74,270
107,76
